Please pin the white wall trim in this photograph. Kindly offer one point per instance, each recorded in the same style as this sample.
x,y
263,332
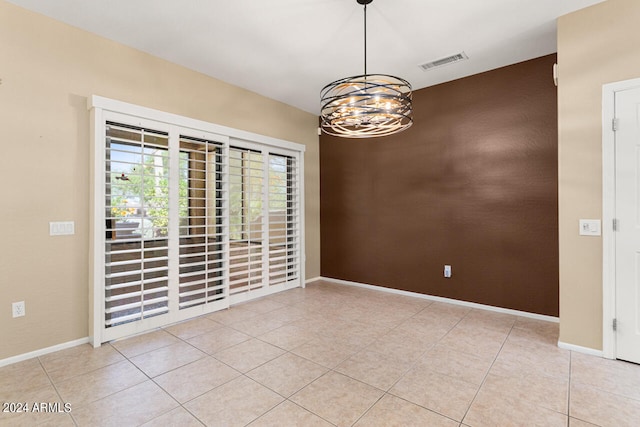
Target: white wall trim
x,y
107,104
302,219
608,213
446,300
580,349
313,279
42,351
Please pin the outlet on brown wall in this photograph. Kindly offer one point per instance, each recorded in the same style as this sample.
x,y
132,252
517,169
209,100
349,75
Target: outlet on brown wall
x,y
473,184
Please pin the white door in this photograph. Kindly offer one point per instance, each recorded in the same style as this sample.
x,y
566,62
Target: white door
x,y
627,247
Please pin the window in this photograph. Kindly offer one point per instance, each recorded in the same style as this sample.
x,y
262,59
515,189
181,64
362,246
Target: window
x,y
136,244
246,206
283,219
189,218
201,222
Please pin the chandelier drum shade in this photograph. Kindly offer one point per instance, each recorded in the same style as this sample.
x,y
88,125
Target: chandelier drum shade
x,y
368,105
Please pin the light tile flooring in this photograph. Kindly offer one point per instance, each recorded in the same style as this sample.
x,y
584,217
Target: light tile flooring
x,y
331,355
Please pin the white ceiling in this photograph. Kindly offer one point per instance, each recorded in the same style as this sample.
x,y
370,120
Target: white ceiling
x,y
289,49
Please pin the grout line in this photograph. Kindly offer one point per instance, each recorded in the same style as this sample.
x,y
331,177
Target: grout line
x,y
339,302
56,390
369,409
424,407
569,389
180,405
301,407
487,374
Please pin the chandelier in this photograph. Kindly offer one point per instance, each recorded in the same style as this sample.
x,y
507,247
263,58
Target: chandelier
x,y
368,105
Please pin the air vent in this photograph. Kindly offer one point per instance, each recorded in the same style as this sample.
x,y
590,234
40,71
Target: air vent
x,y
444,61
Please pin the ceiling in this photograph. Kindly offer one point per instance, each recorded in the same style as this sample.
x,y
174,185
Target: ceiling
x,y
289,49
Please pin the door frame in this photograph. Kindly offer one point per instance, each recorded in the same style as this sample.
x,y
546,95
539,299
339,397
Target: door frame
x,y
103,109
608,212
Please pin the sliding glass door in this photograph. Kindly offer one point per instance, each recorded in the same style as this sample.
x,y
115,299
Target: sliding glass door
x,y
187,222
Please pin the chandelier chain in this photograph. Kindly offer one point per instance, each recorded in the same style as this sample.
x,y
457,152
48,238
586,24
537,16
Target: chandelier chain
x,y
365,39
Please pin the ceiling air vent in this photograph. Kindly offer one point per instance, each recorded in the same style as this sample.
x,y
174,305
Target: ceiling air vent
x,y
444,61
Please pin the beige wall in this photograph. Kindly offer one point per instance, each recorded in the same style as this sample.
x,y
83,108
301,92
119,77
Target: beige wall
x,y
597,45
48,69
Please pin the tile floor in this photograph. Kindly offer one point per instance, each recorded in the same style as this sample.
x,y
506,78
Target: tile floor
x,y
331,355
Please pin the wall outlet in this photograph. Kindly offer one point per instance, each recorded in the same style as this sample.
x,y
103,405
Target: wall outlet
x,y
447,271
18,309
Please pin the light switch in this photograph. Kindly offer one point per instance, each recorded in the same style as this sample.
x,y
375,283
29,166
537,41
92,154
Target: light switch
x,y
61,228
590,227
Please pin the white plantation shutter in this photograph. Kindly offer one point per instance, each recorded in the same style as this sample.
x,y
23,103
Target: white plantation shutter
x,y
136,246
188,218
203,234
246,222
284,211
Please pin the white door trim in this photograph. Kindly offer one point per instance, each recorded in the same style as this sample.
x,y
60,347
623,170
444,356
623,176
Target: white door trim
x,y
608,213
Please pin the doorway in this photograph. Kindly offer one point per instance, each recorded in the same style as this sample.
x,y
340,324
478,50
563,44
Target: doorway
x,y
621,216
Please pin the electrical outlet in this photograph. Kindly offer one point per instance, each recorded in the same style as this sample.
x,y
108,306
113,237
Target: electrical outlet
x,y
447,271
18,309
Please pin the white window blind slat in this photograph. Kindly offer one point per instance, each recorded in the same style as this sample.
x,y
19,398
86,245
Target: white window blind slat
x,y
126,307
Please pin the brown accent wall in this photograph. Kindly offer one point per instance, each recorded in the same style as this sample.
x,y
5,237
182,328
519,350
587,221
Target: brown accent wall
x,y
473,183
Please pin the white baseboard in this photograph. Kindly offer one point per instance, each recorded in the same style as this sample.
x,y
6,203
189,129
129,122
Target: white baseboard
x,y
447,300
585,350
580,349
42,351
313,279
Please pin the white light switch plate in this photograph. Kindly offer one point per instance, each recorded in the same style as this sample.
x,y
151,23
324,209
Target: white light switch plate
x,y
62,228
590,227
